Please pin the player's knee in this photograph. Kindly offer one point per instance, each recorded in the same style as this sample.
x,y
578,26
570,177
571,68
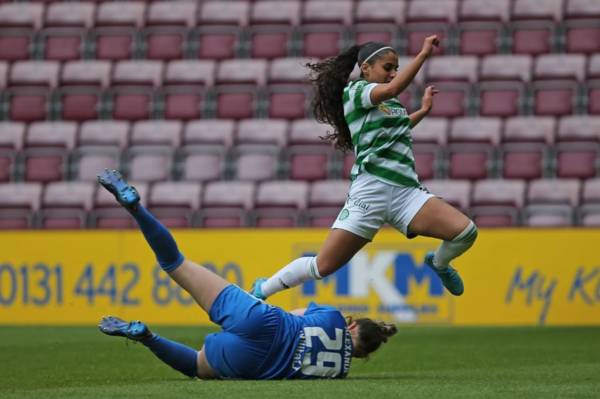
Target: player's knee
x,y
326,265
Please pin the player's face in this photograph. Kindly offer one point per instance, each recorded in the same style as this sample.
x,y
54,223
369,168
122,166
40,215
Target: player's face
x,y
382,70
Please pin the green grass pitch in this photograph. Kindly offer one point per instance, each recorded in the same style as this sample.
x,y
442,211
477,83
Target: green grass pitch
x,y
419,362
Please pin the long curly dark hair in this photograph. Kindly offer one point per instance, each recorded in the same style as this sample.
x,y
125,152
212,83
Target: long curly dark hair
x,y
329,77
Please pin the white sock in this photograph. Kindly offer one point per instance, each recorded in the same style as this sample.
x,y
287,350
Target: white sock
x,y
449,250
295,273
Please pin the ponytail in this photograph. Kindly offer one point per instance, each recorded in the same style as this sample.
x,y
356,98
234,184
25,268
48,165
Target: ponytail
x,y
371,335
329,78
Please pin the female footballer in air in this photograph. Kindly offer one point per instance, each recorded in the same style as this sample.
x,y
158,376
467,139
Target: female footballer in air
x,y
368,119
257,341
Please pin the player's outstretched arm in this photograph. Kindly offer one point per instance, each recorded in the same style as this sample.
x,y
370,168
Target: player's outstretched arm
x,y
403,78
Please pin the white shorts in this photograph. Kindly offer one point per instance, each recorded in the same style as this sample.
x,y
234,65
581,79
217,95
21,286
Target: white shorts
x,y
372,202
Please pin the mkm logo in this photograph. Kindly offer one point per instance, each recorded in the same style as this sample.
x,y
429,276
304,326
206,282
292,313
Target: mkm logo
x,y
385,284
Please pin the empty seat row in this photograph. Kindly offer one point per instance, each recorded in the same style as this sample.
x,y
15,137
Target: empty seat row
x,y
492,203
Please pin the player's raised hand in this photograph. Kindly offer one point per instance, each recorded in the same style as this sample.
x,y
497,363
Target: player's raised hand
x,y
427,102
429,43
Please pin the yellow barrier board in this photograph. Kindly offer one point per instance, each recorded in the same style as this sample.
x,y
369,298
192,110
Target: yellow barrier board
x,y
512,277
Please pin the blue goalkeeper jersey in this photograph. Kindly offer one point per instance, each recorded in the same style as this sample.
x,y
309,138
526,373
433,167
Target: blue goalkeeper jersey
x,y
261,341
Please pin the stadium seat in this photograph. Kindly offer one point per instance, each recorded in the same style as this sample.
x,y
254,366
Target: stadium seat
x,y
430,137
133,84
18,24
453,76
19,202
582,29
108,214
323,27
496,203
308,157
270,34
455,192
82,84
165,35
12,135
577,149
472,147
29,92
184,90
263,131
557,77
593,85
533,26
548,193
288,91
66,26
256,162
174,203
218,35
157,132
481,26
100,145
326,199
207,142
115,35
148,163
378,21
279,203
226,204
236,93
526,142
428,17
503,84
589,211
65,205
46,150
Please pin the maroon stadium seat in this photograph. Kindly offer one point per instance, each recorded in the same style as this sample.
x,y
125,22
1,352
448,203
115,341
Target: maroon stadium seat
x,y
429,139
589,211
18,204
166,31
280,203
82,84
455,192
225,204
46,149
263,131
556,78
174,203
496,203
326,199
577,149
453,76
12,136
533,26
428,17
133,87
480,26
66,27
471,152
183,92
65,204
30,85
149,163
378,20
525,145
551,202
270,32
237,91
502,84
288,90
582,29
308,156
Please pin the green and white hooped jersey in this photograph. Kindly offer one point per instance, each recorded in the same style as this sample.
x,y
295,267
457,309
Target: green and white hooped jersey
x,y
380,136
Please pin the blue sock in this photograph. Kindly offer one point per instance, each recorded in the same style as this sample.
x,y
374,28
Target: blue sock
x,y
182,358
160,239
